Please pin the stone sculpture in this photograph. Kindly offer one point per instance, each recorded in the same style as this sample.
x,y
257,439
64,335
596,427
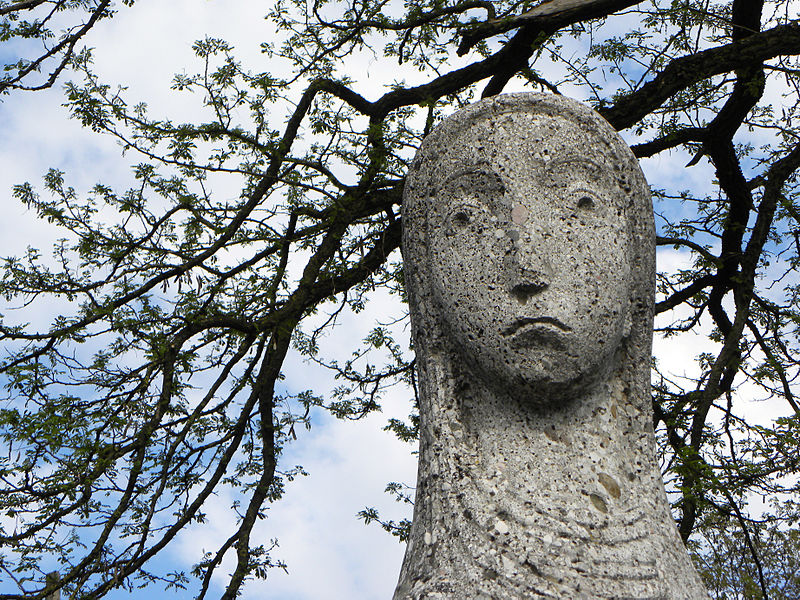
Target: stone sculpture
x,y
529,251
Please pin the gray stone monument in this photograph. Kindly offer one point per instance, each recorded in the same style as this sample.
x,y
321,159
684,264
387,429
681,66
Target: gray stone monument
x,y
529,251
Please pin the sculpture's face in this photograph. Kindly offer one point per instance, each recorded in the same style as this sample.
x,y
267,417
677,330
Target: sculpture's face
x,y
528,250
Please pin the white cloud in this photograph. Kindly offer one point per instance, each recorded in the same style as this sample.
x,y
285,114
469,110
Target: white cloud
x,y
330,554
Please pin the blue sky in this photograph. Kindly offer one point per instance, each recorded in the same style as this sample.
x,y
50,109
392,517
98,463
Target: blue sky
x,y
331,555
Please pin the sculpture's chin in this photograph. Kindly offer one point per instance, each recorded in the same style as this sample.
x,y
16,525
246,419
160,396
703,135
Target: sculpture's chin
x,y
547,392
540,379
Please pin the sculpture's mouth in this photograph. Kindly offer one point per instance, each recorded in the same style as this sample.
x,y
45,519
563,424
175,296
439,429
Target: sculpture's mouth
x,y
526,322
537,331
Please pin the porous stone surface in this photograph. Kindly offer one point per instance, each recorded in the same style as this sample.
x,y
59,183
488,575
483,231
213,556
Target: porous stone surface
x,y
529,249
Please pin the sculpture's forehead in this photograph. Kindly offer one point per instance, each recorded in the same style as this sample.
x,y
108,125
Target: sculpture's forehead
x,y
522,136
522,148
520,125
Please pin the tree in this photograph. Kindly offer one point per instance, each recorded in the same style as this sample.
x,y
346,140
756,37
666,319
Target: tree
x,y
161,386
48,49
732,571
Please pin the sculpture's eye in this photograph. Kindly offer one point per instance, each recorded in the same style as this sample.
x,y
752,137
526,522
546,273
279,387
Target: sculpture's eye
x,y
474,194
461,218
585,201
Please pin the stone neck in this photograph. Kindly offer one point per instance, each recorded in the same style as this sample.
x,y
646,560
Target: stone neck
x,y
519,502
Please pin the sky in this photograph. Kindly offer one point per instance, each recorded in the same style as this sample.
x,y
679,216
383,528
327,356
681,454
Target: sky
x,y
331,555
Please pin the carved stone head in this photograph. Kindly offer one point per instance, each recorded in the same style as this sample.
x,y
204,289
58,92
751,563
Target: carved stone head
x,y
524,217
530,256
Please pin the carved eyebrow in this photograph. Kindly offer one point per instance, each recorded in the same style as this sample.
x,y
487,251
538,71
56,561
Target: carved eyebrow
x,y
572,162
484,180
477,169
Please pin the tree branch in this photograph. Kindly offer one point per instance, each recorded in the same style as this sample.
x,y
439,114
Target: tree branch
x,y
684,71
548,16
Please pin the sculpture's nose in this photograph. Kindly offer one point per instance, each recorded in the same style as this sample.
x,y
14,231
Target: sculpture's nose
x,y
530,268
530,282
